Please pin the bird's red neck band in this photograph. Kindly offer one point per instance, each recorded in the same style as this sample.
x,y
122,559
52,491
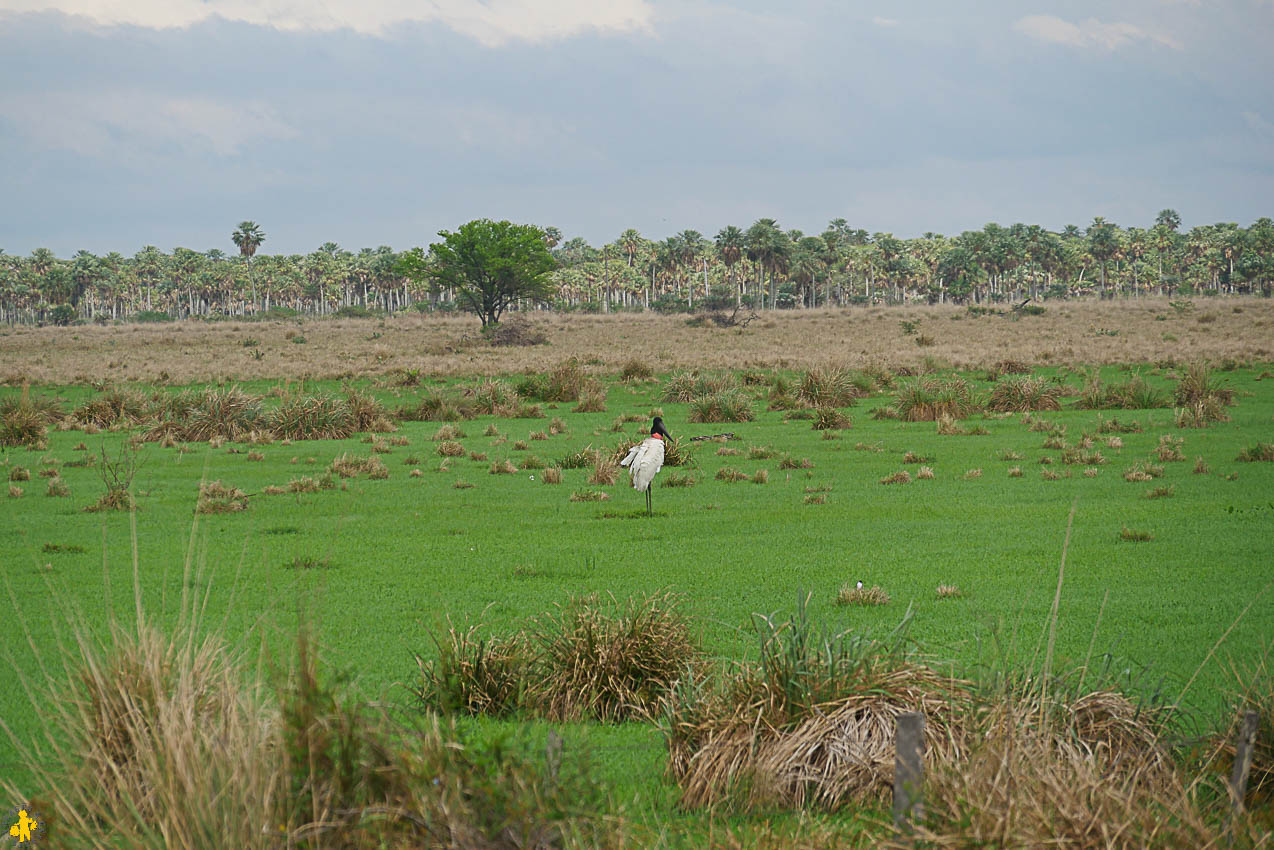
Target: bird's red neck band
x,y
657,436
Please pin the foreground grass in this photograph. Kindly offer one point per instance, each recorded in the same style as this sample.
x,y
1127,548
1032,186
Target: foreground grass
x,y
379,564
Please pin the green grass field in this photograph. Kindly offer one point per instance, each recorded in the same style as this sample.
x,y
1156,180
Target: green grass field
x,y
378,564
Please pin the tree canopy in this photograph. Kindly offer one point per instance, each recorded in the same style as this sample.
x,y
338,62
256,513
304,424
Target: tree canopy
x,y
487,265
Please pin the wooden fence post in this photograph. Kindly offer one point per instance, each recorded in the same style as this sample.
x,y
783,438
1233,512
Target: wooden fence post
x,y
1243,761
909,750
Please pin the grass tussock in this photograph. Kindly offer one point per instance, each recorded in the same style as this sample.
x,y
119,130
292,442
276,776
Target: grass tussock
x,y
1085,773
565,382
218,498
1140,471
1164,492
589,496
611,661
831,419
311,417
605,470
758,736
828,386
1169,449
902,476
678,479
551,475
1134,394
931,399
1023,393
727,405
949,591
351,466
1256,453
22,423
730,475
450,432
855,595
925,473
1132,535
635,369
502,467
449,448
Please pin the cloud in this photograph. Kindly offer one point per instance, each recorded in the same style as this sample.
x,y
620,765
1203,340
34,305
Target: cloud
x,y
885,22
491,23
129,127
1089,33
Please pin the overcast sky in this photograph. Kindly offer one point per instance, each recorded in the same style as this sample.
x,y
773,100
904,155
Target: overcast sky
x,y
366,122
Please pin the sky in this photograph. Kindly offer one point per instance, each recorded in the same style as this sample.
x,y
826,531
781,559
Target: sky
x,y
126,123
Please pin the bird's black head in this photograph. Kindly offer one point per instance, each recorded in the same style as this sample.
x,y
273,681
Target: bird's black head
x,y
658,428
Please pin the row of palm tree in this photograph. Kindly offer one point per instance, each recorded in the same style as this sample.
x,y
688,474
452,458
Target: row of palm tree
x,y
762,266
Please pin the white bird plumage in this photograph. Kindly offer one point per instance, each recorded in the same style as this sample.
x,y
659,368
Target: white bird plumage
x,y
643,461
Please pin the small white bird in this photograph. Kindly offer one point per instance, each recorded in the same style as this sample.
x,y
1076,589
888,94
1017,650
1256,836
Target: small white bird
x,y
646,458
860,585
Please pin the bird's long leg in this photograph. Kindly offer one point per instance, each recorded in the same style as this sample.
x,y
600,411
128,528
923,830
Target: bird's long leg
x,y
648,501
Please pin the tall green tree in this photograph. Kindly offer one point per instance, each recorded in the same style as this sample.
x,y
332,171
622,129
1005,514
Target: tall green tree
x,y
488,264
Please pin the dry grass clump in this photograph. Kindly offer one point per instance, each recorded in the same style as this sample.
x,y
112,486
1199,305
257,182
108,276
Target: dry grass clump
x,y
472,675
557,426
902,476
551,475
789,462
829,419
591,401
635,369
19,473
1015,472
57,488
1201,466
1076,456
230,413
451,432
478,457
315,417
589,496
727,405
605,470
1169,449
449,448
1133,394
854,595
811,724
1049,475
761,476
1197,387
531,462
593,657
912,457
22,423
15,492
925,473
686,386
437,406
1087,773
949,591
730,475
678,479
112,406
756,452
1256,453
565,382
828,386
218,498
1024,393
972,474
599,658
351,466
1140,471
366,413
1164,492
930,399
948,427
728,451
1134,536
502,467
583,458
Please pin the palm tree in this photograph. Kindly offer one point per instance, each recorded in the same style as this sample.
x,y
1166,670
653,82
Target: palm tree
x,y
248,238
1103,244
730,244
